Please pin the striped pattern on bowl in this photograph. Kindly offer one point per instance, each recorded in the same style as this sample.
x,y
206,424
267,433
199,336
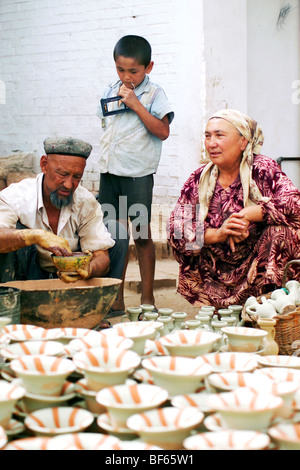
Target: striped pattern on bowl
x,y
10,391
29,443
189,338
58,420
139,395
165,419
280,374
244,400
42,365
83,441
30,348
197,400
228,440
106,359
223,362
243,331
3,438
173,365
101,341
30,332
134,329
228,381
291,362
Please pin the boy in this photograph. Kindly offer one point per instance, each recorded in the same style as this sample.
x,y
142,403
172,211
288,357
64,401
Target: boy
x,y
130,152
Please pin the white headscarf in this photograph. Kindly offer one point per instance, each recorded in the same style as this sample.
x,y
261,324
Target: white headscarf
x,y
253,133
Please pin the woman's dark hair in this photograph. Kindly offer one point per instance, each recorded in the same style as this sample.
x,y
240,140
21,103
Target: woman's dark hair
x,y
135,47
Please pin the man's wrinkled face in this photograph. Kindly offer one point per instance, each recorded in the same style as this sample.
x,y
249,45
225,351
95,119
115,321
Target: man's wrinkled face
x,y
62,175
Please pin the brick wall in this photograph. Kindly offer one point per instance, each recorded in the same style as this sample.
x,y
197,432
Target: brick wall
x,y
56,58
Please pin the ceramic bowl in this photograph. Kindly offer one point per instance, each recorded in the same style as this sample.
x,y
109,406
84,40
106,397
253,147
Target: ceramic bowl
x,y
290,362
105,425
280,374
103,367
29,443
228,440
244,409
190,343
226,362
89,397
30,333
68,334
9,395
43,375
242,339
197,400
178,375
83,441
4,321
134,445
123,401
31,348
73,262
3,438
138,332
101,341
61,420
165,427
286,435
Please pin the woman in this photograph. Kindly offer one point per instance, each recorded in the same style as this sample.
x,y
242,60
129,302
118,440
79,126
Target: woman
x,y
237,221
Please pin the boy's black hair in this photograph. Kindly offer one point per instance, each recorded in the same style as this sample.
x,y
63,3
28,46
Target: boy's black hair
x,y
136,47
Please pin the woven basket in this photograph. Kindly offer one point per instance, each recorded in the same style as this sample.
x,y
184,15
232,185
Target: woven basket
x,y
287,328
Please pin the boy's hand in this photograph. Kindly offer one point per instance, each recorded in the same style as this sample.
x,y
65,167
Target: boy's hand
x,y
128,97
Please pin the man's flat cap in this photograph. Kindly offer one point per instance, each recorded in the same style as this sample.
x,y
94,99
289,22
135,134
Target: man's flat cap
x,y
67,146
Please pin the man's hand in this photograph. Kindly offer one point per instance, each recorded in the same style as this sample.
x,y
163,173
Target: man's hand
x,y
47,240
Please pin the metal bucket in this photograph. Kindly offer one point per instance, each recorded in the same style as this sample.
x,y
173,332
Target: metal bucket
x,y
10,304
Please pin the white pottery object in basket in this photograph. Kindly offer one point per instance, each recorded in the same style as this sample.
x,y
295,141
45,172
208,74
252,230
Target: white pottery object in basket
x,y
294,289
165,427
245,409
242,339
178,375
43,375
104,367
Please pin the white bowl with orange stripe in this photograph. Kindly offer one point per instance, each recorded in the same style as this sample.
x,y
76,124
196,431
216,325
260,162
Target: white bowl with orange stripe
x,y
280,374
51,422
228,440
29,443
190,343
103,367
9,395
286,435
30,333
101,341
290,362
68,334
31,348
43,375
178,375
138,332
197,400
227,361
245,409
165,427
122,401
243,339
3,438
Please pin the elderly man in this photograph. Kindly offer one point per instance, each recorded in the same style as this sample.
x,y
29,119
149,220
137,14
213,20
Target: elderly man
x,y
54,214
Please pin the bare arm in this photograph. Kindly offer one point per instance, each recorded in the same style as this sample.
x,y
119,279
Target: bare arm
x,y
12,240
158,127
